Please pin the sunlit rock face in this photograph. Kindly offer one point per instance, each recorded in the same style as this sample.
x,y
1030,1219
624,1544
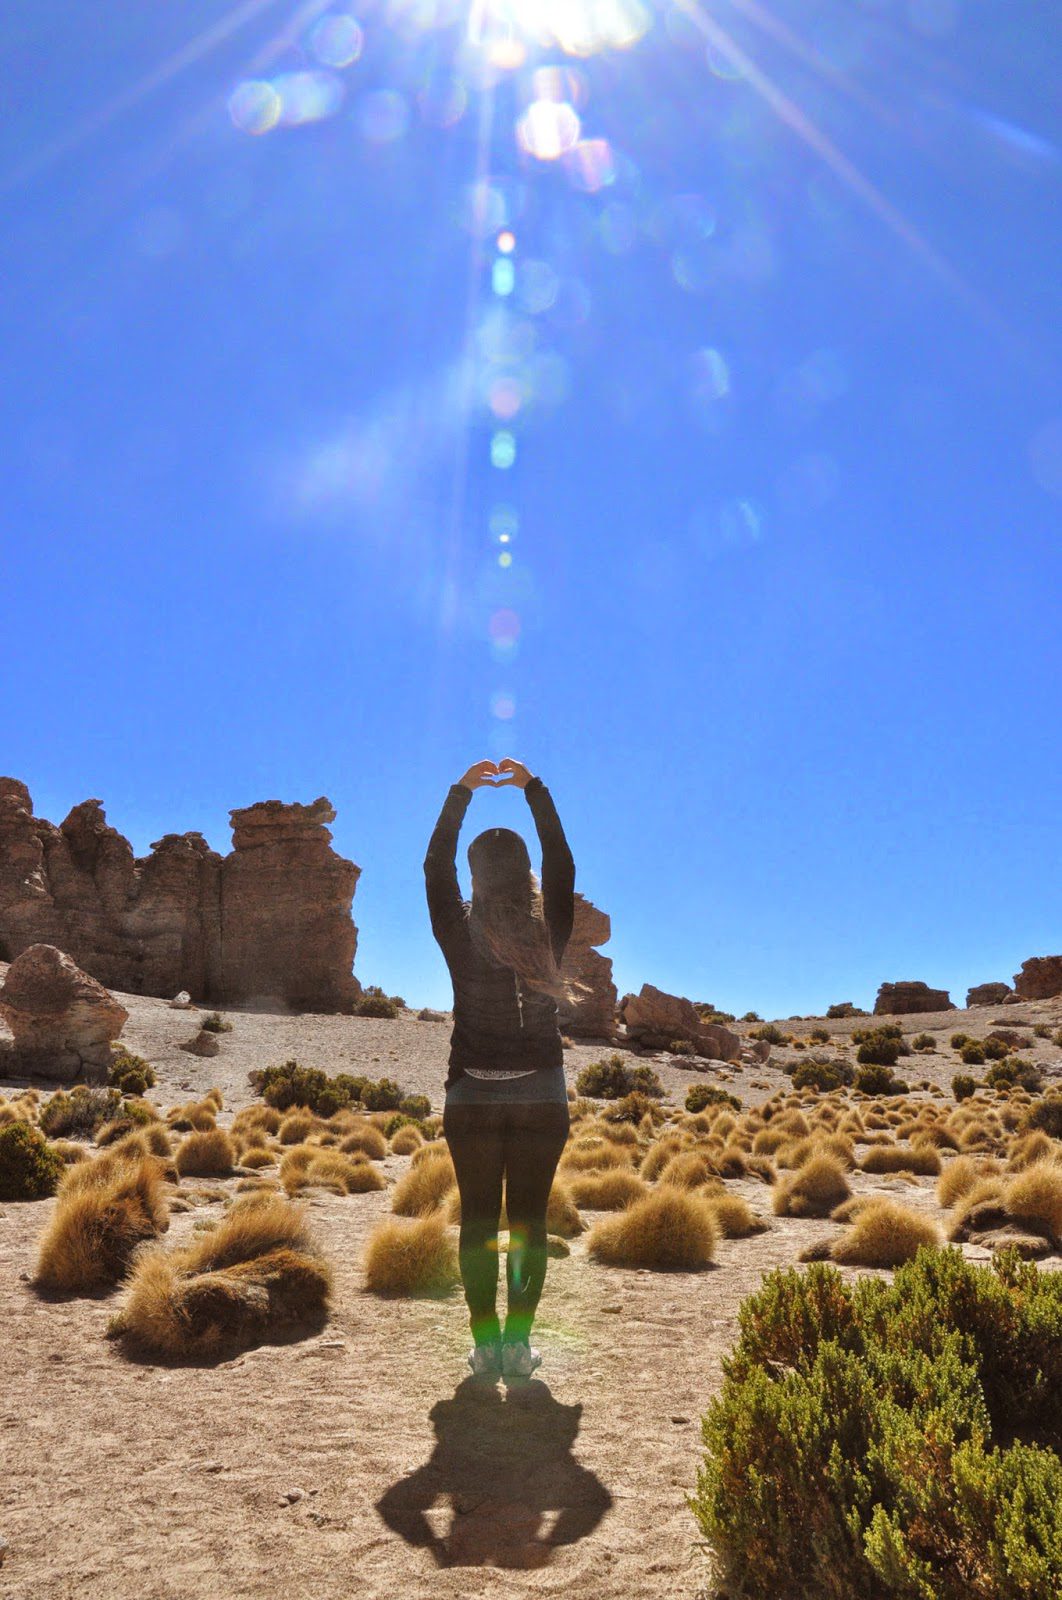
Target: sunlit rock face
x,y
1040,978
655,1020
594,1015
988,994
908,999
269,924
62,1020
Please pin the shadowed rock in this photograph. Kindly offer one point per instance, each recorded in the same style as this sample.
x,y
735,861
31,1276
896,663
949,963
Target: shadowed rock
x,y
907,999
987,994
1040,978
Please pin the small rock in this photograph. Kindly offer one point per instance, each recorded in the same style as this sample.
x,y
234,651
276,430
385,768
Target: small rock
x,y
612,1311
204,1043
289,1497
3,1549
211,1466
680,1420
182,1001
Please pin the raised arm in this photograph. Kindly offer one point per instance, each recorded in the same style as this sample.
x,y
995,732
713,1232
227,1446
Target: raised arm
x,y
445,906
558,867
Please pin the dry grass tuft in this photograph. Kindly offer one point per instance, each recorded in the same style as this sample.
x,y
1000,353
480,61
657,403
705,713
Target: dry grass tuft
x,y
659,1154
607,1191
594,1154
921,1158
406,1139
206,1155
330,1169
734,1216
98,1224
959,1177
1031,1148
369,1140
411,1258
259,1269
562,1214
426,1185
257,1157
812,1191
297,1126
689,1169
669,1229
1034,1198
885,1234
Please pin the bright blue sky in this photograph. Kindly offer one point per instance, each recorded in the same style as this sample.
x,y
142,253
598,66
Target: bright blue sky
x,y
788,476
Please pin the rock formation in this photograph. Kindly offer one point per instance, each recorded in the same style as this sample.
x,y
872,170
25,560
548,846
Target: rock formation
x,y
269,924
654,1019
62,1020
1040,978
593,1016
907,999
987,994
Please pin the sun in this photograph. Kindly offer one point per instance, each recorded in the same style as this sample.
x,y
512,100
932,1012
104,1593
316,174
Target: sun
x,y
507,28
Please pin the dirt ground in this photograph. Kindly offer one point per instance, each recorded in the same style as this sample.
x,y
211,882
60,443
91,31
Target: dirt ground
x,y
360,1460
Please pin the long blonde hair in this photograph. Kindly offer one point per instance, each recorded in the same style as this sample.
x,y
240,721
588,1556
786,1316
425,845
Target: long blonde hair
x,y
506,917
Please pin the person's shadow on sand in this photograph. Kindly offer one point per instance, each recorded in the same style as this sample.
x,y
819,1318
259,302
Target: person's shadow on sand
x,y
503,1464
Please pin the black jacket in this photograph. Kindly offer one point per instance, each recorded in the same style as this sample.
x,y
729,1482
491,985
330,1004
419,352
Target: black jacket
x,y
496,1025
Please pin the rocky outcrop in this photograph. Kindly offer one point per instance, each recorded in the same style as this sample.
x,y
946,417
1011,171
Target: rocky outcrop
x,y
987,994
908,999
593,1016
1040,978
269,924
62,1020
654,1019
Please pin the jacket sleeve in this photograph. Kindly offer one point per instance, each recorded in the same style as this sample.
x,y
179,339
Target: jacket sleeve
x,y
445,905
558,867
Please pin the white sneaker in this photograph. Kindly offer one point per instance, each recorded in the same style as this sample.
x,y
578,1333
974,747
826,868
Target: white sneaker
x,y
519,1360
484,1359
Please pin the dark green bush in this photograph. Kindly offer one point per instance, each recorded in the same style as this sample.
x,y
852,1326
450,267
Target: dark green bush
x,y
891,1441
130,1073
877,1049
215,1023
1015,1072
291,1085
751,1016
1041,1030
376,1005
701,1095
963,1086
384,1095
632,1108
879,1030
78,1113
994,1048
958,1040
1046,1115
417,1106
402,1120
923,1041
844,1008
682,1047
973,1053
770,1031
29,1167
819,1073
874,1078
820,1036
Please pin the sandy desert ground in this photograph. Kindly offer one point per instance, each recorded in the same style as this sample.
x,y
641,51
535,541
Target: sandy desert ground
x,y
362,1460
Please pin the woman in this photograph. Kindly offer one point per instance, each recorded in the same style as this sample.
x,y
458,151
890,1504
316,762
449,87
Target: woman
x,y
506,1113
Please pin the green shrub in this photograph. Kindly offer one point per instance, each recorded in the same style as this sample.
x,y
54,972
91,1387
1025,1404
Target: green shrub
x,y
994,1048
770,1031
401,1119
879,1030
384,1095
1046,1115
874,1078
820,1035
130,1073
614,1078
1041,1030
293,1085
632,1108
973,1053
376,1005
682,1047
818,1073
1015,1072
877,1441
751,1016
417,1106
877,1049
963,1086
923,1041
706,1094
29,1167
215,1023
78,1113
958,1040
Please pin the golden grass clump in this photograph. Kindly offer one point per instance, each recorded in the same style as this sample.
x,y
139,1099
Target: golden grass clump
x,y
97,1225
206,1155
267,1118
959,1177
688,1169
769,1140
986,1191
216,1097
1031,1148
259,1269
885,1234
68,1151
921,1158
607,1191
562,1214
296,1126
368,1139
659,1154
732,1161
429,1150
1034,1198
813,1190
406,1139
426,1185
619,1132
734,1216
670,1229
411,1258
594,1154
330,1169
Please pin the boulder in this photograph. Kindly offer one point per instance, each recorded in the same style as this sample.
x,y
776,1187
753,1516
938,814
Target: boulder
x,y
62,1020
987,994
204,1043
908,999
593,1015
426,1014
653,1019
181,1002
1040,978
154,925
